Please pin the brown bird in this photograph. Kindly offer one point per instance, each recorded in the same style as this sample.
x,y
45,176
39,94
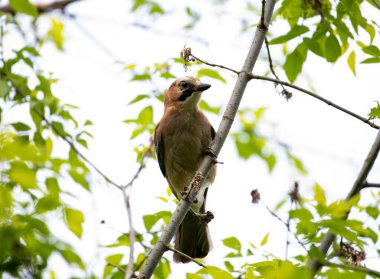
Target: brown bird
x,y
182,138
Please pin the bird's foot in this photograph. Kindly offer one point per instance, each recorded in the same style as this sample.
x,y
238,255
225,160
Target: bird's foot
x,y
209,152
207,217
184,194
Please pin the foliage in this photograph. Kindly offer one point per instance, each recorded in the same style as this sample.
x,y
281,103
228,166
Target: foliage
x,y
32,191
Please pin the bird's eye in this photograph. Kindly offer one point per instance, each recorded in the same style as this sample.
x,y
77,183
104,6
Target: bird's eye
x,y
183,85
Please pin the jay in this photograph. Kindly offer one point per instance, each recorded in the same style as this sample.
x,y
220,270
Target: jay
x,y
182,138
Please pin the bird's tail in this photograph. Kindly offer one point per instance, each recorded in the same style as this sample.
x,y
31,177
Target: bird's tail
x,y
192,238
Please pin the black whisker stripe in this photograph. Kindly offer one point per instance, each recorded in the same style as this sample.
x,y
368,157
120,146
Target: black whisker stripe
x,y
186,94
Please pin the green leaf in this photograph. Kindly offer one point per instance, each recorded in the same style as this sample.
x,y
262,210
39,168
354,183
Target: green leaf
x,y
141,77
79,178
270,160
250,274
351,60
371,31
332,49
53,187
297,164
47,203
24,7
145,117
375,112
339,227
371,60
294,62
264,240
229,266
58,128
206,107
210,73
4,88
316,253
319,194
139,98
71,257
315,45
74,220
280,204
151,220
22,175
114,259
193,276
167,75
301,213
232,242
295,32
372,50
372,211
216,272
20,126
56,33
162,270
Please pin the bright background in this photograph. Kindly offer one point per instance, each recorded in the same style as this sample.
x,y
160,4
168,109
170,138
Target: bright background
x,y
105,36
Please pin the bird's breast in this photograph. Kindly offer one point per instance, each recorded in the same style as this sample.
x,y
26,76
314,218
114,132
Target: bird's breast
x,y
184,142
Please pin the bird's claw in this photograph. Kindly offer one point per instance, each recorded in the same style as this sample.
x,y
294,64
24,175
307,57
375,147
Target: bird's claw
x,y
207,217
209,152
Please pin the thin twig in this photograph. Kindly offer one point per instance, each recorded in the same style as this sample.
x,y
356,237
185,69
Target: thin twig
x,y
326,101
288,95
371,185
362,269
329,238
185,256
146,154
377,4
220,137
286,225
278,81
42,7
214,65
288,234
132,236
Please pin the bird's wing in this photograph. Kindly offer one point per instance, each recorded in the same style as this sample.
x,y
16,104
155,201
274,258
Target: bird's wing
x,y
159,144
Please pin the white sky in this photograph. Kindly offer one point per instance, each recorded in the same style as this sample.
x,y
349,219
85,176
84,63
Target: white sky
x,y
331,144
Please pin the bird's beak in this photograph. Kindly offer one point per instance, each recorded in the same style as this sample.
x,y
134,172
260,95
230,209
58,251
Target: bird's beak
x,y
203,87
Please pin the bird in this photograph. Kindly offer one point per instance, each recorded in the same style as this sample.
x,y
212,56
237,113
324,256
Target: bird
x,y
182,138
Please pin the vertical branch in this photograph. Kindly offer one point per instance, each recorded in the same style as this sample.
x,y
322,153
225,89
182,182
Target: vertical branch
x,y
359,184
215,147
126,196
132,236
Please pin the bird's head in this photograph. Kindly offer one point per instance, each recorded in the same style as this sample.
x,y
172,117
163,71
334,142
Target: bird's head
x,y
185,92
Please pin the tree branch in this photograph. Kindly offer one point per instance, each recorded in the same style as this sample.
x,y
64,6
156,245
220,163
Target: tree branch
x,y
326,101
328,239
221,135
354,268
278,81
371,185
42,7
